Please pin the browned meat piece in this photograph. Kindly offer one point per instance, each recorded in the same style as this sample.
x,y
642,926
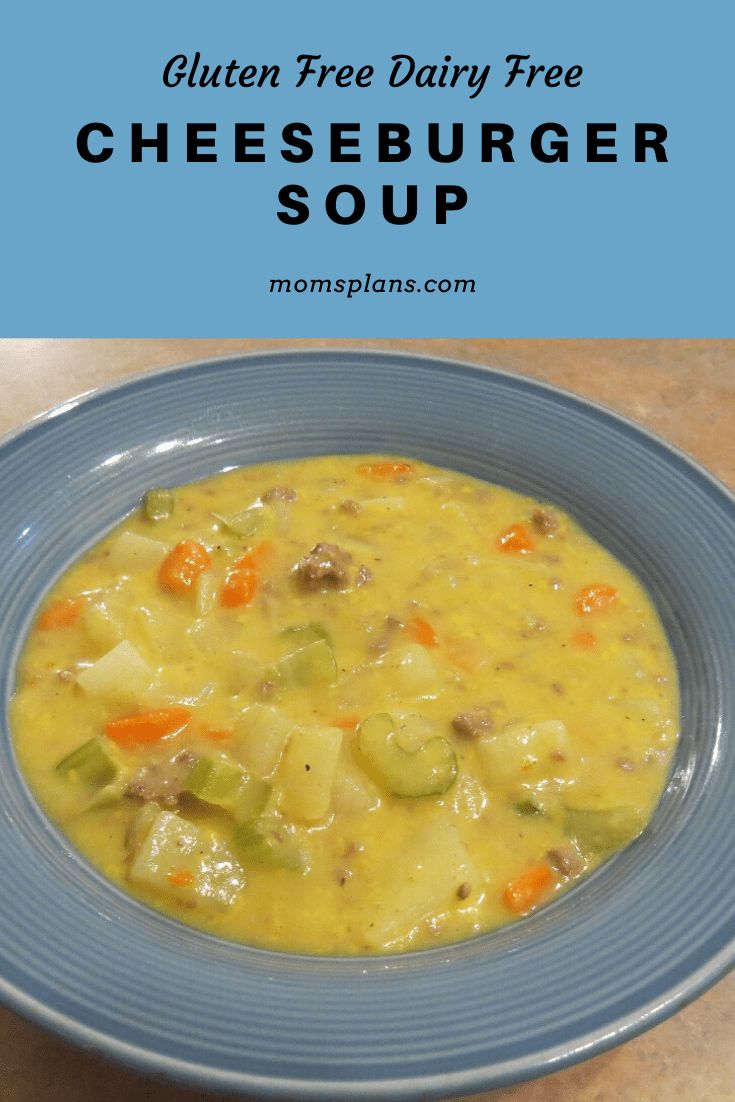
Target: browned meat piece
x,y
325,567
364,575
279,493
473,724
163,781
565,860
349,506
544,522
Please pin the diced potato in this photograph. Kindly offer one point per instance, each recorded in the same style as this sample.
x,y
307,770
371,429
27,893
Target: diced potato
x,y
352,791
425,875
206,593
261,734
120,676
131,552
307,772
525,750
103,628
187,862
415,671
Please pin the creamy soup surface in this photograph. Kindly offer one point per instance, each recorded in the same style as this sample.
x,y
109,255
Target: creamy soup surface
x,y
347,704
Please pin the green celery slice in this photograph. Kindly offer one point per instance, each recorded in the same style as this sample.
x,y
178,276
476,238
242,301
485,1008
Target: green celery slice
x,y
602,830
245,524
225,784
301,634
215,780
158,504
309,665
258,841
92,762
428,771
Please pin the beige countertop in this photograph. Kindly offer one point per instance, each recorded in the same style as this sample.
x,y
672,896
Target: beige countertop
x,y
684,390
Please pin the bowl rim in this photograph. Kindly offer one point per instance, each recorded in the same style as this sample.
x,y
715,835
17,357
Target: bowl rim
x,y
454,1083
471,367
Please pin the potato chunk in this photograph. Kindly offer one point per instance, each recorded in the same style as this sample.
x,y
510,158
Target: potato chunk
x,y
188,862
120,676
131,552
261,737
425,877
307,772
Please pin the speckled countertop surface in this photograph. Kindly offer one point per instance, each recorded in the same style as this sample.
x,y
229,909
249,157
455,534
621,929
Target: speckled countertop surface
x,y
684,390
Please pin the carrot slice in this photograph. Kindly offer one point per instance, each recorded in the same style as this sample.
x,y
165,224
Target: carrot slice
x,y
181,878
587,640
242,582
525,892
421,631
595,598
347,723
240,587
385,470
144,728
61,614
217,734
183,565
516,540
259,555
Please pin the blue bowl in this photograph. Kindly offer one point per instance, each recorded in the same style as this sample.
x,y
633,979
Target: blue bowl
x,y
645,934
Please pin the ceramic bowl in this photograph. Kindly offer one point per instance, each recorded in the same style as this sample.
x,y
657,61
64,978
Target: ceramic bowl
x,y
631,944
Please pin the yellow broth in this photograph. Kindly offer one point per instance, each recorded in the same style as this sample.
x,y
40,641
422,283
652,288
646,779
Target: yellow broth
x,y
530,690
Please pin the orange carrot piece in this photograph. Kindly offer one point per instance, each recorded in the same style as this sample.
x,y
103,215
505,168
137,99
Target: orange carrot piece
x,y
347,723
61,614
516,540
183,565
217,734
525,892
385,470
144,728
595,598
421,631
587,640
259,554
240,587
181,878
242,582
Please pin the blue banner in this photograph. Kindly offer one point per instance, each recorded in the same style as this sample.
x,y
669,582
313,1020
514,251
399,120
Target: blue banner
x,y
476,169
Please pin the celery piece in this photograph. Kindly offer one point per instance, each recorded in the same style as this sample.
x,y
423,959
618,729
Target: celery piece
x,y
215,780
252,799
528,807
428,771
262,843
245,524
301,634
601,830
92,762
309,665
109,794
225,784
158,504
